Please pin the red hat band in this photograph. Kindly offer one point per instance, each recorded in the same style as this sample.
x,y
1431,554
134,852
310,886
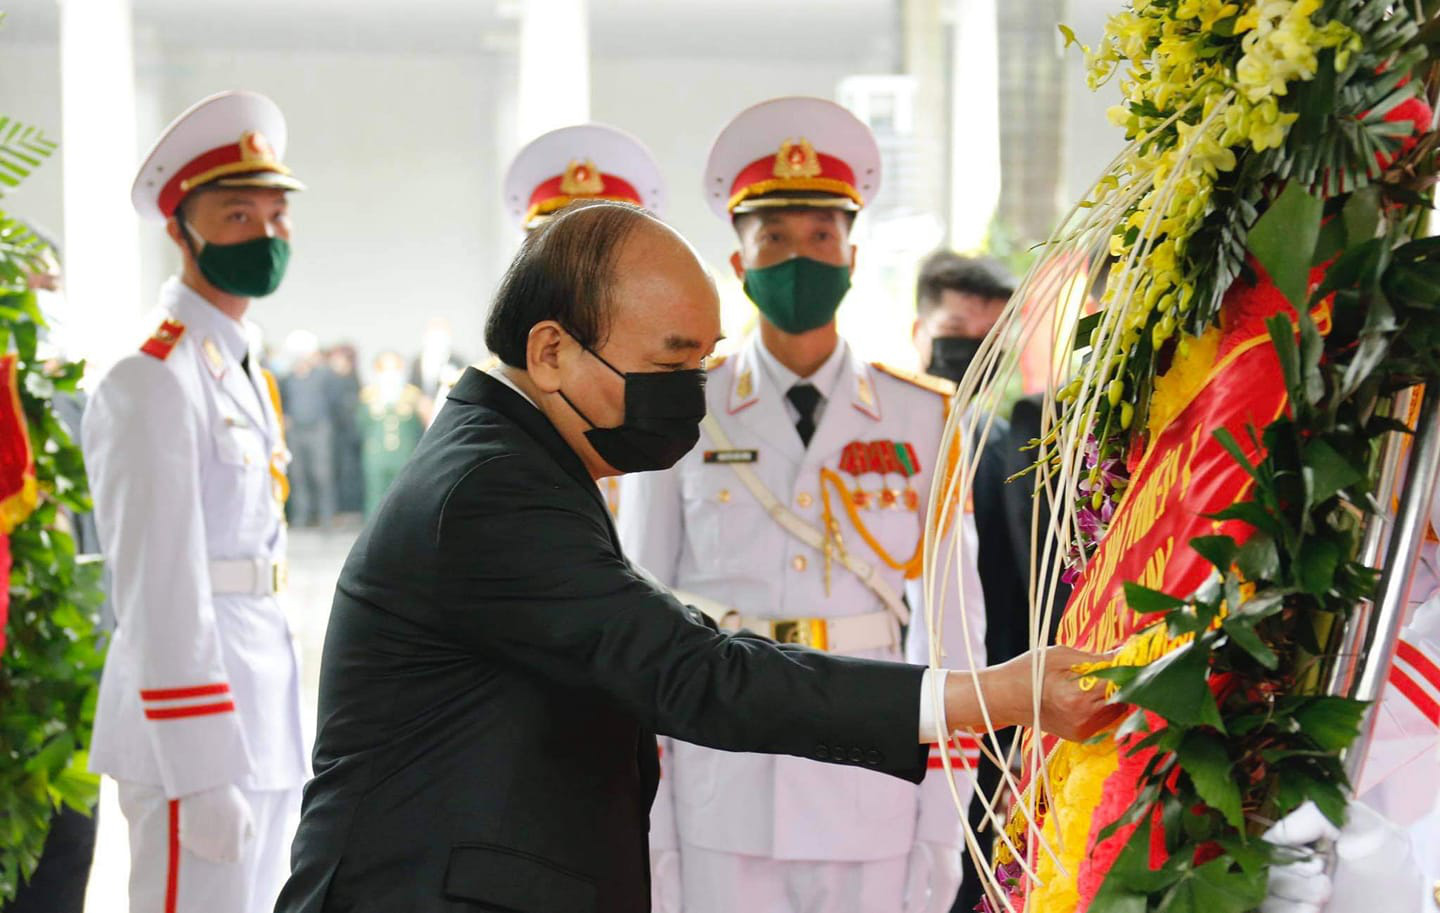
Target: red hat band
x,y
796,166
563,189
251,154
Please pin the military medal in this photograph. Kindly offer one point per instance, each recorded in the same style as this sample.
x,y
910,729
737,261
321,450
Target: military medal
x,y
883,458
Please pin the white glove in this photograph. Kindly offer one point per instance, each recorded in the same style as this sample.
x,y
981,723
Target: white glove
x,y
1374,861
933,878
665,881
216,824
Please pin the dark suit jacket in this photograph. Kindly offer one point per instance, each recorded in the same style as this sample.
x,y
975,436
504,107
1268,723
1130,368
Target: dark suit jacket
x,y
493,677
1025,420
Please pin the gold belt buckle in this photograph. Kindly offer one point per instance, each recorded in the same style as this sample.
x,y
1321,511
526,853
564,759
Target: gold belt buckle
x,y
807,632
279,576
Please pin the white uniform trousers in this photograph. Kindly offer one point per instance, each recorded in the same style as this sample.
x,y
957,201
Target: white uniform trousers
x,y
718,882
167,878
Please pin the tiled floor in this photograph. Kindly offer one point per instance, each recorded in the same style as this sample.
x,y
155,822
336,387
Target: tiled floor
x,y
315,560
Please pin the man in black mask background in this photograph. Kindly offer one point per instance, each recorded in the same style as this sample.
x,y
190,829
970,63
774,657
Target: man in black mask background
x,y
957,303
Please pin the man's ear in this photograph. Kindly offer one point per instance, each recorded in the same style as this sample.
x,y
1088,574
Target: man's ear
x,y
544,348
737,266
176,231
854,249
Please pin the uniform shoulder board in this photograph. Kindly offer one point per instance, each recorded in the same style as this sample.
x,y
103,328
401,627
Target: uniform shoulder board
x,y
715,361
163,341
937,385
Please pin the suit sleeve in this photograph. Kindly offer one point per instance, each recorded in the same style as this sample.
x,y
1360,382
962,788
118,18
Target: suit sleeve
x,y
142,449
963,648
528,576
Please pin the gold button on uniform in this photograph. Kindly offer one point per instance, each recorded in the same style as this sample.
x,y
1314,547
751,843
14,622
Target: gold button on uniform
x,y
798,562
804,499
723,496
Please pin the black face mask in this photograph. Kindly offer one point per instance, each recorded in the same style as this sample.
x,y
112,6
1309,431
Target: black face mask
x,y
951,355
663,410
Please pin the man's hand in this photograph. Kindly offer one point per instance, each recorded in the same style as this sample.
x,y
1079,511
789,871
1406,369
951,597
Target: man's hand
x,y
1373,861
933,878
1008,689
216,824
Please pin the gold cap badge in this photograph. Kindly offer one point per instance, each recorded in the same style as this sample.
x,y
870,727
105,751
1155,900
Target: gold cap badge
x,y
254,147
581,179
797,159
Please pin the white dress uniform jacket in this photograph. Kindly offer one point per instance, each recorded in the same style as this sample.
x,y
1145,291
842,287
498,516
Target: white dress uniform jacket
x,y
698,529
201,684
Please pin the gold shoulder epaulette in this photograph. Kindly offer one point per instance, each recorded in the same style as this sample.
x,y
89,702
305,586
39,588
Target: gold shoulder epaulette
x,y
163,341
924,381
715,361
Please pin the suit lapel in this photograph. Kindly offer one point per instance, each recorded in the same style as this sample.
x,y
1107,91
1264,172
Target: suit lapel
x,y
755,405
852,397
272,428
232,379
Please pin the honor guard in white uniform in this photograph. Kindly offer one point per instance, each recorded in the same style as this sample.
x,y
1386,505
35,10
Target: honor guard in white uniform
x,y
575,164
800,514
199,711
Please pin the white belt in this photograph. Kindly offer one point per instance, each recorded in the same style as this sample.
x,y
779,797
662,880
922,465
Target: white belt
x,y
248,577
848,634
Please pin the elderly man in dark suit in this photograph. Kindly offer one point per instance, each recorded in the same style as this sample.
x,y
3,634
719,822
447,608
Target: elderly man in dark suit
x,y
495,670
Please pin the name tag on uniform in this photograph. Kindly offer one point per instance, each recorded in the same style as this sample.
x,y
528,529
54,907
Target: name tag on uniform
x,y
732,456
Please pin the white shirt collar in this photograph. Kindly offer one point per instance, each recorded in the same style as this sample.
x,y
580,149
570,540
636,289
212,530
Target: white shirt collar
x,y
824,378
204,319
498,372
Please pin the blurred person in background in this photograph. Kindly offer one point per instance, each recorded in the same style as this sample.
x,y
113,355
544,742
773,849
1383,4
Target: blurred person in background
x,y
437,366
199,710
309,431
958,301
389,423
345,432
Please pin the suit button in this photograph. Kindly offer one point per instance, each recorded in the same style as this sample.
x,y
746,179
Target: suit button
x,y
837,752
804,499
857,755
872,757
723,496
799,563
822,753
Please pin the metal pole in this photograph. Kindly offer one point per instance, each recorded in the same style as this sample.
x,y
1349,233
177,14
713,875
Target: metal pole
x,y
1347,642
1382,627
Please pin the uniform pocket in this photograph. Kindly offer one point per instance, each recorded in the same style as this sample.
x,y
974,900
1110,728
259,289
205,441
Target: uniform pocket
x,y
513,880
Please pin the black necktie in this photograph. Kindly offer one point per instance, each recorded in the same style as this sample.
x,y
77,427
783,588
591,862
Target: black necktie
x,y
804,397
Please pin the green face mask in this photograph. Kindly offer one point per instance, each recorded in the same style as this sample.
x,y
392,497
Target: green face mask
x,y
252,269
799,294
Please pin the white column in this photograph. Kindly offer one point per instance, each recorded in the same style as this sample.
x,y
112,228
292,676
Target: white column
x,y
99,158
975,124
554,85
